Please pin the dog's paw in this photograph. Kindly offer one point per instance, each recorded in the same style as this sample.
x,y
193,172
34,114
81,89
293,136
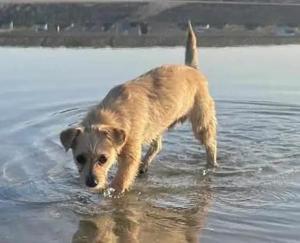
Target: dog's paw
x,y
143,170
117,188
112,193
212,165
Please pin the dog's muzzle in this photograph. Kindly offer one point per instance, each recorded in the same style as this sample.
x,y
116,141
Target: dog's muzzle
x,y
91,181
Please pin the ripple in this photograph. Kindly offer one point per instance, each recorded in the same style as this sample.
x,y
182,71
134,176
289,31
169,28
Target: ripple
x,y
258,154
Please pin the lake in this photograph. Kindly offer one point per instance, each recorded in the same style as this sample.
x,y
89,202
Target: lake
x,y
253,197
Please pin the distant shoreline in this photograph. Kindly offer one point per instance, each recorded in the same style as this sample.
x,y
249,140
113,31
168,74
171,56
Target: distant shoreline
x,y
96,40
147,24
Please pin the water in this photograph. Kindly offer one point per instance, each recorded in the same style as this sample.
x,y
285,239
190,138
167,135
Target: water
x,y
253,197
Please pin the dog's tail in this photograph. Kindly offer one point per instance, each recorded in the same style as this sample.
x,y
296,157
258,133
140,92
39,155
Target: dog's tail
x,y
191,51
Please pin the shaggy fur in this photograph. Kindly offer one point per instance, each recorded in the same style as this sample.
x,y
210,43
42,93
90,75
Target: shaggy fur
x,y
138,112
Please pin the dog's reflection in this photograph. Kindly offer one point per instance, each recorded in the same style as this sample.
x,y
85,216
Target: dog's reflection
x,y
131,220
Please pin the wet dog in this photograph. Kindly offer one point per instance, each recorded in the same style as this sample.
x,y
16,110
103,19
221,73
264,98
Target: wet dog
x,y
138,112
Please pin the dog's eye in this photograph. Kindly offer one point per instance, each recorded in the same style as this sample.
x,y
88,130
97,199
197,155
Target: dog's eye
x,y
102,159
81,159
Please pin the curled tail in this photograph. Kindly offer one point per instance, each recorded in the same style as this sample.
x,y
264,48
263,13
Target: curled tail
x,y
191,51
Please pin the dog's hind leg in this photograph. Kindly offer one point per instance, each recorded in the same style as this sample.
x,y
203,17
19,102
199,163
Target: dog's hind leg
x,y
153,150
204,126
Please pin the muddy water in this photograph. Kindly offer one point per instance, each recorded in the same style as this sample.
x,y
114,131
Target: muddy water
x,y
253,197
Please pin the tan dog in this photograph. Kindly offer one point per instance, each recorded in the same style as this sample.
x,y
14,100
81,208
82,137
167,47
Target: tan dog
x,y
138,112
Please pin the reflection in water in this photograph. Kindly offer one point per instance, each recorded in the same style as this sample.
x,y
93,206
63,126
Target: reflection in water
x,y
132,219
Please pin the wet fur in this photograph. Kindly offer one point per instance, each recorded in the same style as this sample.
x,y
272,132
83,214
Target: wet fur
x,y
143,109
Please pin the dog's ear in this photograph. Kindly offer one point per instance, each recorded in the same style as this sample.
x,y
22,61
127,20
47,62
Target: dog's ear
x,y
68,136
116,135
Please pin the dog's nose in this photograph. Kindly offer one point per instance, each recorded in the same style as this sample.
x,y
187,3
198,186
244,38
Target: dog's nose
x,y
91,181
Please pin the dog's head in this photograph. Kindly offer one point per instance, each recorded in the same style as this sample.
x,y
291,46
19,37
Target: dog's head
x,y
94,150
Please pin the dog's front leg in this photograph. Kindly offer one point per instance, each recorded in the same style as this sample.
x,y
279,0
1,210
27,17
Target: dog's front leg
x,y
128,166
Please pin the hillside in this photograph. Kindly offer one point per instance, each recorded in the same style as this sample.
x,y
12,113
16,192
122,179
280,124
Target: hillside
x,y
146,23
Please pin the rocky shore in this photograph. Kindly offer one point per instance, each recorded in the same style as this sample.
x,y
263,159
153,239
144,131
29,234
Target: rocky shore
x,y
142,24
96,40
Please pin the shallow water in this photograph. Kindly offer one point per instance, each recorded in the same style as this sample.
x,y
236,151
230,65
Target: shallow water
x,y
253,197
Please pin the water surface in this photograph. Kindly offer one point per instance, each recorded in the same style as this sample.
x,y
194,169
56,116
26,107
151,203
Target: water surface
x,y
253,197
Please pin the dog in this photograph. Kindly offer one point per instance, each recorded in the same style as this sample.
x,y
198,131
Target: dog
x,y
137,113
